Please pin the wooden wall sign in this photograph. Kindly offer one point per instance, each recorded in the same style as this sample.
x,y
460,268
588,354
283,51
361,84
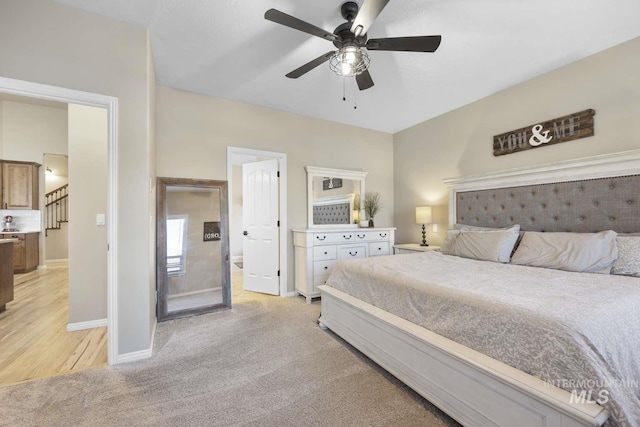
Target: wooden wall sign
x,y
211,231
563,129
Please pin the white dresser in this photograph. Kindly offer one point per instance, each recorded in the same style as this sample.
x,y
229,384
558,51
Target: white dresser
x,y
316,252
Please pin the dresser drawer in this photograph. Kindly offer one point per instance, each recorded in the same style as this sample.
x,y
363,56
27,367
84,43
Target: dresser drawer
x,y
370,236
323,267
336,237
378,248
325,252
320,280
352,252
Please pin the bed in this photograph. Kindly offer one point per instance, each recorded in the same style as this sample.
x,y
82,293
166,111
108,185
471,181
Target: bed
x,y
445,344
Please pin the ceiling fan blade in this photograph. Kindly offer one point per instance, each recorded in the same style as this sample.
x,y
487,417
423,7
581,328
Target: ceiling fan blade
x,y
368,13
406,44
310,65
364,80
297,24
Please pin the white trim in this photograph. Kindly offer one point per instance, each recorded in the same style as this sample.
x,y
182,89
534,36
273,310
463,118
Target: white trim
x,y
603,166
51,261
53,93
237,258
79,326
282,166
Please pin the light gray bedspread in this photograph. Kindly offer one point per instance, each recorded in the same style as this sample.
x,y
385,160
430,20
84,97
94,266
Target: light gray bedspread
x,y
578,331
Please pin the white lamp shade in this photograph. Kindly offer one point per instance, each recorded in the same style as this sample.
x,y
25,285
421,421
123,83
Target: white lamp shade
x,y
423,215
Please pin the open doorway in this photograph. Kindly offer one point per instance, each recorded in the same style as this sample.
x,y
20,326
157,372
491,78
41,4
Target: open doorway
x,y
236,158
29,94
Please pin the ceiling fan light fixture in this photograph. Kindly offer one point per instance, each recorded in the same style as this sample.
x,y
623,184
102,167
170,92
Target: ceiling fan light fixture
x,y
349,61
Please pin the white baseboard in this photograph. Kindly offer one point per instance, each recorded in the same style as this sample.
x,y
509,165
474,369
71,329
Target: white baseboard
x,y
134,356
56,260
290,294
79,326
201,291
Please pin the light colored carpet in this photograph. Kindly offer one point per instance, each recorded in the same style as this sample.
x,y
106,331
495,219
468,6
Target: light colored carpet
x,y
263,363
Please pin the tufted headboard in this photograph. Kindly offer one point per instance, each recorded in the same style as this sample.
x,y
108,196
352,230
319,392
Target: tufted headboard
x,y
584,195
339,213
579,206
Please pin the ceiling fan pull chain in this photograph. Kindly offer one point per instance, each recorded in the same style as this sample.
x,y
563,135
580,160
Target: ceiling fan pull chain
x,y
355,96
344,90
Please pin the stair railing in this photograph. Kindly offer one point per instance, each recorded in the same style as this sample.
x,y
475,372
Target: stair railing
x,y
56,208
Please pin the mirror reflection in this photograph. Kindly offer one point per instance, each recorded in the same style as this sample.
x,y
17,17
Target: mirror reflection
x,y
193,270
333,197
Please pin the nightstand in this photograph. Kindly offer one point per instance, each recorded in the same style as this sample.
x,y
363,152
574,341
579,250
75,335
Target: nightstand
x,y
410,248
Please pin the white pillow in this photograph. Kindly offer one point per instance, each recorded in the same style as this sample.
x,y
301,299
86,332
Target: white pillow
x,y
447,245
487,245
628,262
582,252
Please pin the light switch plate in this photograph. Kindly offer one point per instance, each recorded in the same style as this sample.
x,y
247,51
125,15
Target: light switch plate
x,y
100,219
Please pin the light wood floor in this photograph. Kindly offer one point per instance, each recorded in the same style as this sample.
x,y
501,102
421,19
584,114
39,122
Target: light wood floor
x,y
34,342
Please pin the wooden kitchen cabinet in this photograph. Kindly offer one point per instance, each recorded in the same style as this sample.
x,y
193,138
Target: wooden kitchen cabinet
x,y
20,185
25,251
6,274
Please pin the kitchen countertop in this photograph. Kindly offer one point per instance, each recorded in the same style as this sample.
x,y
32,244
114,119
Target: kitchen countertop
x,y
18,232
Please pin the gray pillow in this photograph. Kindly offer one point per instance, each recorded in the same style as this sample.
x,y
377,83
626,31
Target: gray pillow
x,y
628,262
582,252
487,245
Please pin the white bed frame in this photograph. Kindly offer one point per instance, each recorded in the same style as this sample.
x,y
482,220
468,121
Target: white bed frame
x,y
473,388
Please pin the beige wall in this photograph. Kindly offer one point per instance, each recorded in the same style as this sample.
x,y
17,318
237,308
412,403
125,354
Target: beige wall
x,y
47,42
203,267
31,130
87,241
151,200
194,131
460,142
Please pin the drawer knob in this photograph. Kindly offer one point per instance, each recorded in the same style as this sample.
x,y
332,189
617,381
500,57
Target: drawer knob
x,y
353,253
325,267
361,237
383,234
325,253
347,236
321,238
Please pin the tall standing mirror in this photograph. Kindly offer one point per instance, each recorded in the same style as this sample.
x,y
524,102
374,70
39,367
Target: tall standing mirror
x,y
193,273
335,197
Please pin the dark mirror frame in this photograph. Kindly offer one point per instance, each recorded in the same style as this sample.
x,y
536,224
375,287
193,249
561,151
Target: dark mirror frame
x,y
162,278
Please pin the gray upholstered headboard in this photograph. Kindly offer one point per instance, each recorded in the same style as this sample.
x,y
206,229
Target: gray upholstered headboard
x,y
577,206
339,213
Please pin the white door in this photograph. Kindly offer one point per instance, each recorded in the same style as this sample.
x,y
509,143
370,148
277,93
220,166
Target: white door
x,y
261,245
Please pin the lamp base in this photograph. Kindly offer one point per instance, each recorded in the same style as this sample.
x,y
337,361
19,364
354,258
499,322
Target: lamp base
x,y
424,237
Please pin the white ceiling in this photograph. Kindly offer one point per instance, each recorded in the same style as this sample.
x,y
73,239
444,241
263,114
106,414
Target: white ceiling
x,y
227,49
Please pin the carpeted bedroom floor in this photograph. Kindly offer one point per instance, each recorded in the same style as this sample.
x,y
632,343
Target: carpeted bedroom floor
x,y
263,363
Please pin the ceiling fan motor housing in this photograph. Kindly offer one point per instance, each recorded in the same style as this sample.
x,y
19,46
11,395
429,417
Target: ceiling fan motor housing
x,y
349,10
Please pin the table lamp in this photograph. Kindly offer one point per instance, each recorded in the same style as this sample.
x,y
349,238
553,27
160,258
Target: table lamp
x,y
423,216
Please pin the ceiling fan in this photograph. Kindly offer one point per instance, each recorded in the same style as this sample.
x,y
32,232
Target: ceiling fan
x,y
351,58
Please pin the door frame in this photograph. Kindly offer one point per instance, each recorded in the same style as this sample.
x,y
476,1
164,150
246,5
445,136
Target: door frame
x,y
282,189
110,103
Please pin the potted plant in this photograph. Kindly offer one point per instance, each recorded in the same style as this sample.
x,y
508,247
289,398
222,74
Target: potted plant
x,y
371,206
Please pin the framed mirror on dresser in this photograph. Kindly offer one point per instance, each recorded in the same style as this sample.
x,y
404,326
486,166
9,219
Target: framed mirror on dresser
x,y
335,213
